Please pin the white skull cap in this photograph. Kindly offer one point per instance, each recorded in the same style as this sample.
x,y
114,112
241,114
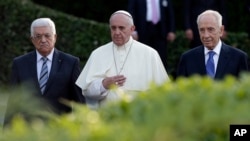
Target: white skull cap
x,y
122,12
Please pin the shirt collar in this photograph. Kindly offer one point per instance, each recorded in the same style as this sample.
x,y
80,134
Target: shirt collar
x,y
125,46
216,49
50,56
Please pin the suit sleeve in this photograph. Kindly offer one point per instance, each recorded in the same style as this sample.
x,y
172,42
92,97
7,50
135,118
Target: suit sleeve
x,y
171,16
244,63
186,13
14,74
77,94
131,8
223,11
181,70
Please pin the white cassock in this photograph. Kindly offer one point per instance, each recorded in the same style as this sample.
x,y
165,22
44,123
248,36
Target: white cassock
x,y
140,64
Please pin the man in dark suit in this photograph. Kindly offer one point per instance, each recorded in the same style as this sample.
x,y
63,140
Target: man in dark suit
x,y
248,11
192,8
153,33
226,60
57,75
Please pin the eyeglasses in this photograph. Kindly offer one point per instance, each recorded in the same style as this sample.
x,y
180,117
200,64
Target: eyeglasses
x,y
39,37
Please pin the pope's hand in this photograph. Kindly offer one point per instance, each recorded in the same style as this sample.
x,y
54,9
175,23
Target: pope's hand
x,y
118,80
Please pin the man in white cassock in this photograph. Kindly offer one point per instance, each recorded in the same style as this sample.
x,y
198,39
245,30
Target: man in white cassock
x,y
125,63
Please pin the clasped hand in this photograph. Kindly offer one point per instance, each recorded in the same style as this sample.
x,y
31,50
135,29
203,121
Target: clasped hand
x,y
118,80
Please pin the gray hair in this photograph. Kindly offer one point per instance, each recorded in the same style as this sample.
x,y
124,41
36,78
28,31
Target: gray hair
x,y
216,14
130,18
42,22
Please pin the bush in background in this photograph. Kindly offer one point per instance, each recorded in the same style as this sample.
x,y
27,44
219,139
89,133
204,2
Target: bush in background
x,y
76,36
103,9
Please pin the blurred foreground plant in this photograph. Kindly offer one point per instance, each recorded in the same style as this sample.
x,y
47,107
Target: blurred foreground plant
x,y
191,109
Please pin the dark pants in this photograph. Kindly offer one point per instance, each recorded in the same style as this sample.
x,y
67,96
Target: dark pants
x,y
154,38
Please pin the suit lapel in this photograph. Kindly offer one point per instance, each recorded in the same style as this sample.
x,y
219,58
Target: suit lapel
x,y
223,61
56,63
144,6
201,60
160,6
32,62
33,71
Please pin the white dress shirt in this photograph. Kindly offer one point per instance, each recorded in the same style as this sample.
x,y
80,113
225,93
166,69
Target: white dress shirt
x,y
40,62
149,10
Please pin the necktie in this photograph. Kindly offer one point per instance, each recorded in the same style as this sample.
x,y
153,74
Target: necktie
x,y
43,75
155,17
210,64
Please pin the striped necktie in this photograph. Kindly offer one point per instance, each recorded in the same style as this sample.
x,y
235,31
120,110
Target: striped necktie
x,y
210,64
43,75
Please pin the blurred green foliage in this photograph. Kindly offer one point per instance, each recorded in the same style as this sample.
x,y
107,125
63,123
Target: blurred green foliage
x,y
184,110
4,96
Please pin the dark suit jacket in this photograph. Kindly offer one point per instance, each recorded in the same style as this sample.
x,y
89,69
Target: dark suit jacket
x,y
231,61
61,83
192,8
138,9
248,11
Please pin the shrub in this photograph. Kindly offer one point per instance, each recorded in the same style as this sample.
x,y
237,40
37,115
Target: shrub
x,y
185,110
76,36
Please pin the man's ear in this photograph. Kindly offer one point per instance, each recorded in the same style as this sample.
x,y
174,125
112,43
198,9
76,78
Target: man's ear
x,y
55,37
133,28
222,28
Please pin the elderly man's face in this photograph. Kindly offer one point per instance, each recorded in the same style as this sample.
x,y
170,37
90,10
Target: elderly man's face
x,y
210,31
43,40
121,29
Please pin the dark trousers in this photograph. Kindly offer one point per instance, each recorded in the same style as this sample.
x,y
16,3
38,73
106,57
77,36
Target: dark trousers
x,y
154,38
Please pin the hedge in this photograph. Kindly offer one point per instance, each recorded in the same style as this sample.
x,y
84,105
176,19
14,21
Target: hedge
x,y
76,36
